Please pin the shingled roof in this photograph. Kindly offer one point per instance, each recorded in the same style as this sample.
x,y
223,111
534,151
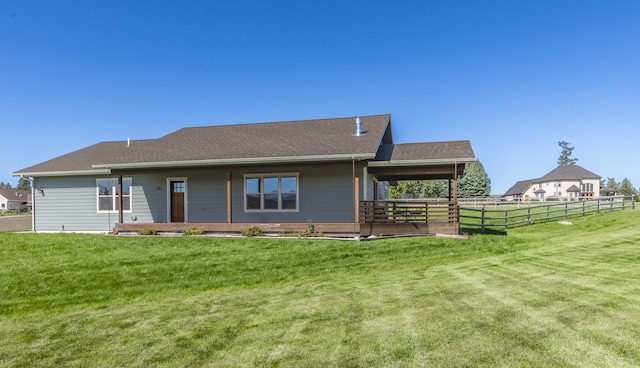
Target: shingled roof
x,y
322,139
519,187
274,142
564,172
425,152
15,194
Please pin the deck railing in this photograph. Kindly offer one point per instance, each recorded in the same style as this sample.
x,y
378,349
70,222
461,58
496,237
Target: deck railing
x,y
403,211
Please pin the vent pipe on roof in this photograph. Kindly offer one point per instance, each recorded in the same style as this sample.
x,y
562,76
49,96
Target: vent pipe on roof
x,y
128,142
359,131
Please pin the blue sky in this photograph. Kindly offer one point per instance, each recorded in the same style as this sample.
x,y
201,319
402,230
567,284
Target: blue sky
x,y
513,77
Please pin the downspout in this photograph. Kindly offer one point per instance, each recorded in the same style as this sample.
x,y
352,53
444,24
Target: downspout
x,y
33,202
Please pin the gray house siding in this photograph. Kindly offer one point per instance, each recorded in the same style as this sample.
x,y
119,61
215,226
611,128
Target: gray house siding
x,y
149,199
325,194
207,196
69,204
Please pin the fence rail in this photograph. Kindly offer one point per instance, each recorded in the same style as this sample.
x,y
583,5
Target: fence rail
x,y
516,214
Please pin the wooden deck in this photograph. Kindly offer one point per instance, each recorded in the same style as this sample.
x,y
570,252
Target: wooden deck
x,y
377,218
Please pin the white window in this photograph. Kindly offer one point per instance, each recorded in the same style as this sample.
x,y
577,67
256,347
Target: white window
x,y
107,195
271,192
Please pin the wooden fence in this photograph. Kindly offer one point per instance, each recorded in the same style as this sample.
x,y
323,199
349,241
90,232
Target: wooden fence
x,y
516,215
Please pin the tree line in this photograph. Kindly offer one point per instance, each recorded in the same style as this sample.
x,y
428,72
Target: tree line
x,y
23,184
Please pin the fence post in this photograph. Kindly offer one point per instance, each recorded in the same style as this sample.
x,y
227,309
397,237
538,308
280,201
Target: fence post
x,y
611,206
598,210
529,215
548,209
566,210
482,221
506,219
583,201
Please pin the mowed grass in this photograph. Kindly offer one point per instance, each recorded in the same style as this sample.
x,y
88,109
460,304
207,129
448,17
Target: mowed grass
x,y
546,295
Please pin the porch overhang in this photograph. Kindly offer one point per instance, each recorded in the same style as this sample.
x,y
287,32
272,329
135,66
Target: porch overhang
x,y
417,169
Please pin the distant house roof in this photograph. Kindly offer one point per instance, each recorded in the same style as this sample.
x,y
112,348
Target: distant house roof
x,y
573,188
519,187
275,142
562,172
15,195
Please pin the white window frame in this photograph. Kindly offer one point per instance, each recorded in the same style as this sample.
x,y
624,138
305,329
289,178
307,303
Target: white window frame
x,y
261,177
114,190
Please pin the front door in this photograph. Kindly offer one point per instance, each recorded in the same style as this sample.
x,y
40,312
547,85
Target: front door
x,y
177,200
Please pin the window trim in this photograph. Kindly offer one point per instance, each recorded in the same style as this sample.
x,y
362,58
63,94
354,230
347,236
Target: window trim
x,y
114,188
261,177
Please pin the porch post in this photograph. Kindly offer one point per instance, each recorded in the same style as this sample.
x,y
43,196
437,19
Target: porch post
x,y
455,182
356,201
356,194
229,214
120,201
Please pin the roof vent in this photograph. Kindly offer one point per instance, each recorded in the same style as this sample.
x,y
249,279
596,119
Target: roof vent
x,y
359,131
128,142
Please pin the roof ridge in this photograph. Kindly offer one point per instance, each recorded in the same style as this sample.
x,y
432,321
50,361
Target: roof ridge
x,y
279,122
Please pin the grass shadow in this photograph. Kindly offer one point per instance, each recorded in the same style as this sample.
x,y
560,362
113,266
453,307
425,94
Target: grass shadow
x,y
475,231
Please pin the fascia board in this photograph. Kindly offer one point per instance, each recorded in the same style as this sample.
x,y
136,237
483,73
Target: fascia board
x,y
241,161
100,171
448,161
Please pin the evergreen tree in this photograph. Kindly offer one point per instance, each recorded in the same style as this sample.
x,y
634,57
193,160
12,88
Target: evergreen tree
x,y
627,188
419,189
435,189
24,184
565,154
611,183
4,185
475,182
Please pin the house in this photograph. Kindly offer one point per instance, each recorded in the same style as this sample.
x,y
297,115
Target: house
x,y
563,182
277,175
15,200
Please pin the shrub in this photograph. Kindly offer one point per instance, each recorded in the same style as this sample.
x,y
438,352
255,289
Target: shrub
x,y
252,231
147,232
193,231
310,231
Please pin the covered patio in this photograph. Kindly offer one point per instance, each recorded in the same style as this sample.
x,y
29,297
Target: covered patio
x,y
411,216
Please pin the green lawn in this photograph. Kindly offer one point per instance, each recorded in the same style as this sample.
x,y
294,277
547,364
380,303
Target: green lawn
x,y
547,295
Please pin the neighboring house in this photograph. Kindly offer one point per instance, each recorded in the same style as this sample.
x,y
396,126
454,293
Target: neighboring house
x,y
565,181
15,200
277,176
608,192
